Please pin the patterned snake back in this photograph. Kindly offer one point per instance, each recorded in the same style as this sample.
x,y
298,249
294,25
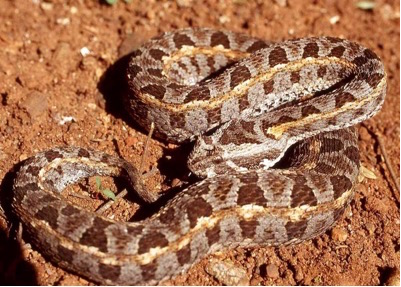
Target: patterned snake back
x,y
275,149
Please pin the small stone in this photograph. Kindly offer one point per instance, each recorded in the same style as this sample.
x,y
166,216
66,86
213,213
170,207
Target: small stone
x,y
272,271
62,58
92,106
73,10
367,173
333,20
370,227
63,21
224,19
175,182
227,273
23,157
184,3
281,3
339,234
46,6
299,275
364,134
35,104
256,280
84,51
131,141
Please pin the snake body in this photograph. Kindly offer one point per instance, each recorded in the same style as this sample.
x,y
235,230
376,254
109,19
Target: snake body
x,y
274,147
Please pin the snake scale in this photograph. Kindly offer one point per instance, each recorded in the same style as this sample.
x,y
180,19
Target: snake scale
x,y
274,149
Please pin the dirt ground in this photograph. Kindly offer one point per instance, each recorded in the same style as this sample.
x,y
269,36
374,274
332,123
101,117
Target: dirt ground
x,y
55,61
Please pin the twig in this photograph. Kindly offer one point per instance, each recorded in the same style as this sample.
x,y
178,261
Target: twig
x,y
81,196
145,151
387,161
389,165
110,202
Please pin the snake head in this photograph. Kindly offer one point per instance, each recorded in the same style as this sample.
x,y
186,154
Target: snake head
x,y
205,157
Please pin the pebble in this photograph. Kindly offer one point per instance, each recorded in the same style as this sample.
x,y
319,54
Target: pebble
x,y
131,141
281,3
339,234
62,58
364,134
35,104
370,227
184,3
272,271
227,273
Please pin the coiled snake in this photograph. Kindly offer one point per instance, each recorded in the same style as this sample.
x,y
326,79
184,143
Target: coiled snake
x,y
275,149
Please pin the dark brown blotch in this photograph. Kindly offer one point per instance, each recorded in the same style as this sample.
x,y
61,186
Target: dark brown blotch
x,y
83,153
309,110
155,90
52,155
200,93
257,45
370,54
157,54
344,98
329,145
213,234
134,230
181,40
133,70
277,56
95,235
155,72
48,214
148,271
33,169
175,86
70,210
324,168
151,240
360,60
302,194
268,86
167,216
340,184
239,75
198,208
250,192
285,119
311,50
248,228
65,254
296,229
321,71
135,53
337,51
110,272
220,38
295,77
184,254
374,79
334,40
352,153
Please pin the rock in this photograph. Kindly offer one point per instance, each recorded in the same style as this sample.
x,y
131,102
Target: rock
x,y
339,234
272,271
62,58
227,273
35,104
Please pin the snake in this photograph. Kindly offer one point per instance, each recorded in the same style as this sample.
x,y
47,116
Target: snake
x,y
275,151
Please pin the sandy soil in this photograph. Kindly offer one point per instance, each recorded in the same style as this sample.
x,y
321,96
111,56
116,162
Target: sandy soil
x,y
55,62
